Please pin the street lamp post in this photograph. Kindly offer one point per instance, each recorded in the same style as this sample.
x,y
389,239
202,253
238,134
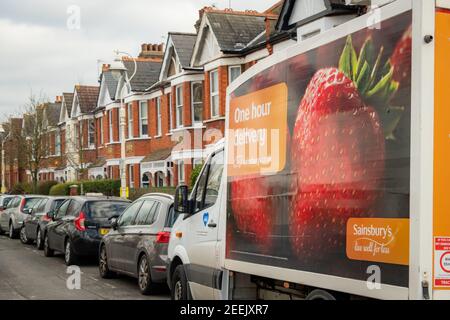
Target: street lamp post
x,y
2,132
118,71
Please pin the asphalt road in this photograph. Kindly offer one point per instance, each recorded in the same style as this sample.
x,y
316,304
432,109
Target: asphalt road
x,y
25,273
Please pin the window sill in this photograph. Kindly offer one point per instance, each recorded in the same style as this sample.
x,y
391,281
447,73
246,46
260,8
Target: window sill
x,y
214,119
138,139
158,136
112,143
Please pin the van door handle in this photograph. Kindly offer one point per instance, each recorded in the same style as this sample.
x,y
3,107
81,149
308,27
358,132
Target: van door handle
x,y
212,225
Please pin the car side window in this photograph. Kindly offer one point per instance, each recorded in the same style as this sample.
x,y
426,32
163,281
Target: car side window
x,y
41,206
15,203
128,216
62,210
11,203
74,208
153,214
144,211
208,187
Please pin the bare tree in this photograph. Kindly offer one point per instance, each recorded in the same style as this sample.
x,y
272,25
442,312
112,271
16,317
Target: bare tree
x,y
34,140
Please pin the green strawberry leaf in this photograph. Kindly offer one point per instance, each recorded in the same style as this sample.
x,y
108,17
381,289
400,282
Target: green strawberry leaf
x,y
363,80
348,60
365,56
380,87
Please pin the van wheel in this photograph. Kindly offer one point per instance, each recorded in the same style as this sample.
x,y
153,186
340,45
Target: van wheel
x,y
180,285
39,242
103,268
320,295
69,256
47,251
23,236
12,233
146,285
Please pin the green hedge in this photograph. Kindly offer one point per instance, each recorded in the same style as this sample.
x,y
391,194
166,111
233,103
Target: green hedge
x,y
106,187
137,193
45,186
21,188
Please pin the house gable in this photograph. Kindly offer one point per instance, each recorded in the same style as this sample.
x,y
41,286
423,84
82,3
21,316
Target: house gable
x,y
206,46
104,98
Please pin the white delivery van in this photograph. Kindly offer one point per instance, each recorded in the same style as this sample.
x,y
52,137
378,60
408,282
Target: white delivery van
x,y
331,182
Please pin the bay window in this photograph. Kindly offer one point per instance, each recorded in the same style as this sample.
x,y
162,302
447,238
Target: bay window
x,y
179,106
214,93
197,102
143,119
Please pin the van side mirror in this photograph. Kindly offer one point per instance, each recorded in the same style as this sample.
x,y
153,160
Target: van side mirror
x,y
182,203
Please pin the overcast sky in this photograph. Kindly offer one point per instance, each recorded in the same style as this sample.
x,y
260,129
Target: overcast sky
x,y
44,47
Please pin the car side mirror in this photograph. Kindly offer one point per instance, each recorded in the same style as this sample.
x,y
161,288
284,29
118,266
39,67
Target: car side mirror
x,y
182,203
114,223
28,211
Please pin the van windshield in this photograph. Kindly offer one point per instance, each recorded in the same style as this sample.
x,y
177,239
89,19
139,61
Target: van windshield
x,y
105,209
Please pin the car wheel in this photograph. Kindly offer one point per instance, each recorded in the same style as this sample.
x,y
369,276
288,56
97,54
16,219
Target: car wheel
x,y
69,256
39,242
180,286
11,233
47,251
23,236
146,285
103,268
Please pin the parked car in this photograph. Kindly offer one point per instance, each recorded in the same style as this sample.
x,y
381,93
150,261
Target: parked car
x,y
36,222
79,224
137,244
16,211
4,200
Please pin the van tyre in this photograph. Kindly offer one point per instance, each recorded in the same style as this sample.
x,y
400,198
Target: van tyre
x,y
320,295
103,268
39,241
47,251
70,258
23,237
180,286
145,283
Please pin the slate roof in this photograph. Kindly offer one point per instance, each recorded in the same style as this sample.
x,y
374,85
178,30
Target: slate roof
x,y
87,97
111,84
68,98
52,113
158,155
184,46
147,73
235,31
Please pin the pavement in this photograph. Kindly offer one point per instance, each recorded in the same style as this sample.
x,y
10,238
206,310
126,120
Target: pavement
x,y
26,274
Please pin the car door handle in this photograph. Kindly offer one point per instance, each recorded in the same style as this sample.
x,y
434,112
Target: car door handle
x,y
212,225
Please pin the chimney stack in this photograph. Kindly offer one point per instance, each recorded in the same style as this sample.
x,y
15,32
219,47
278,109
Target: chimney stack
x,y
105,67
152,51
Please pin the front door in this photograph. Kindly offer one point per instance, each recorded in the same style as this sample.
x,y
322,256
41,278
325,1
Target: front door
x,y
204,270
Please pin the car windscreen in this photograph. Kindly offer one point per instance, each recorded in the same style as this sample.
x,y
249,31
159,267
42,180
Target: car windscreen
x,y
105,209
31,202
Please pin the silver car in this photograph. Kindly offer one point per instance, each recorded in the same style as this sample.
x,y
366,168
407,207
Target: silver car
x,y
12,218
137,244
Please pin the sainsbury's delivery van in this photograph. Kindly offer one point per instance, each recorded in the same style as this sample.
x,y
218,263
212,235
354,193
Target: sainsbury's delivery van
x,y
332,180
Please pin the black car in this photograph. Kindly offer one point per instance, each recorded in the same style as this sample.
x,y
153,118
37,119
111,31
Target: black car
x,y
37,220
79,224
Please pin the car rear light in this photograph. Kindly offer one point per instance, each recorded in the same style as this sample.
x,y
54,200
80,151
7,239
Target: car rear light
x,y
22,204
46,217
162,237
79,222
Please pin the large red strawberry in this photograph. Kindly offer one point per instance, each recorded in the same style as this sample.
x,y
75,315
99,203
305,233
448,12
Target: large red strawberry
x,y
251,203
401,58
338,150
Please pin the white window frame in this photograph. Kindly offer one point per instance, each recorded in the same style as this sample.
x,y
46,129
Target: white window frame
x,y
229,72
141,103
57,142
131,176
158,117
130,121
102,138
214,94
179,106
91,144
110,121
193,103
170,112
181,173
